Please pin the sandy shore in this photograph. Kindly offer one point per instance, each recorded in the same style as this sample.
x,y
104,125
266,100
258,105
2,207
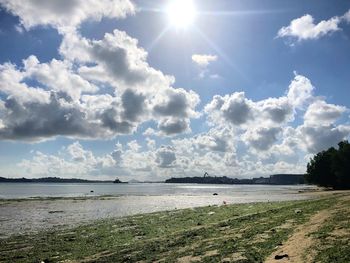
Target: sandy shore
x,y
33,215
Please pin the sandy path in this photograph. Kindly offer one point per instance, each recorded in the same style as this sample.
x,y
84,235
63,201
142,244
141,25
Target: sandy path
x,y
297,245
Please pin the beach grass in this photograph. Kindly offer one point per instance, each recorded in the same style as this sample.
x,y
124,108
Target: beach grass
x,y
227,233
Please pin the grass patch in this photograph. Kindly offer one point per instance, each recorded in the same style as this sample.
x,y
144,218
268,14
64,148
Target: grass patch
x,y
332,239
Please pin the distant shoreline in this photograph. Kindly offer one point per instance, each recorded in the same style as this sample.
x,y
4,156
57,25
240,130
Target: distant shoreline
x,y
276,179
50,180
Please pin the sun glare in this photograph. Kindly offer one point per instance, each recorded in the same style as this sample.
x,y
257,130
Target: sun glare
x,y
181,13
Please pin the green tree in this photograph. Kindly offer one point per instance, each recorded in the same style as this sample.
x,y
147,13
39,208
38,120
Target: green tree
x,y
341,166
319,169
331,168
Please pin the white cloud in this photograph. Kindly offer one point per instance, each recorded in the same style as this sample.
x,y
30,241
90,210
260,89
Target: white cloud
x,y
12,85
58,76
322,113
346,16
321,137
237,110
66,14
262,138
69,102
203,60
234,109
173,126
78,154
151,144
261,125
276,110
134,146
304,28
115,59
300,92
165,156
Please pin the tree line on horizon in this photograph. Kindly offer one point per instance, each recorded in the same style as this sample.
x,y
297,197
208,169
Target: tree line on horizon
x,y
331,168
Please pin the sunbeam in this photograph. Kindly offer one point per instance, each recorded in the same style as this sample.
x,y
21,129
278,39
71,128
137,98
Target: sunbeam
x,y
158,38
221,53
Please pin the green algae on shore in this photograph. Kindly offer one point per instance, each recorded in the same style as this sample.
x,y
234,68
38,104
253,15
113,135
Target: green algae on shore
x,y
231,233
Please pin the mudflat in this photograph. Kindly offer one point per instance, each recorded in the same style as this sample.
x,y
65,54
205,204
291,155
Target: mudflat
x,y
308,230
32,215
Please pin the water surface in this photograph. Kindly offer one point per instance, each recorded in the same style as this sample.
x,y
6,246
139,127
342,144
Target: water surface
x,y
26,190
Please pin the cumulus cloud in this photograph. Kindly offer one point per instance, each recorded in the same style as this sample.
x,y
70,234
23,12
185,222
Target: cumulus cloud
x,y
177,102
69,97
319,130
116,59
218,140
239,111
165,157
262,138
321,137
67,101
322,113
173,126
234,108
66,14
203,60
346,16
35,121
79,162
300,91
276,110
304,28
261,124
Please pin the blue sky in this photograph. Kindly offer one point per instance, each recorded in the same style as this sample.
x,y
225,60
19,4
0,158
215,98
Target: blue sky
x,y
104,89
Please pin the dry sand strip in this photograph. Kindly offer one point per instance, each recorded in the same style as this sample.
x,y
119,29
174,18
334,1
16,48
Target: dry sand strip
x,y
295,248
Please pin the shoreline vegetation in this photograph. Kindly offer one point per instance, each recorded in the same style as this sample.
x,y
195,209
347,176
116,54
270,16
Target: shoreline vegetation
x,y
276,179
57,180
304,231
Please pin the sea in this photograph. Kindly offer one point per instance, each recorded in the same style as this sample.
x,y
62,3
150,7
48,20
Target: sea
x,y
30,190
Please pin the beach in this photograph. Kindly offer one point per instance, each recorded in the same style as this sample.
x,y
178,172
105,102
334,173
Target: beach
x,y
246,232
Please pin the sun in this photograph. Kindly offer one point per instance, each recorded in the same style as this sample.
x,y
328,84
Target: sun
x,y
181,13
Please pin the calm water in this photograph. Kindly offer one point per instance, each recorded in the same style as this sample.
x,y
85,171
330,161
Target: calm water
x,y
34,215
19,190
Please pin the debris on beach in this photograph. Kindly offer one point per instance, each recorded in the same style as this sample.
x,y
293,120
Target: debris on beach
x,y
211,213
297,211
215,193
278,257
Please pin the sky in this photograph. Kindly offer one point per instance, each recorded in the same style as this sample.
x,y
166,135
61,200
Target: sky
x,y
148,90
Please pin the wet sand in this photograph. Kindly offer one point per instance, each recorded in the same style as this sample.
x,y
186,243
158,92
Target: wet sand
x,y
25,216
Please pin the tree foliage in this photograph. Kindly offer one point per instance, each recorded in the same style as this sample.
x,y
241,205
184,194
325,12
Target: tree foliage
x,y
331,168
